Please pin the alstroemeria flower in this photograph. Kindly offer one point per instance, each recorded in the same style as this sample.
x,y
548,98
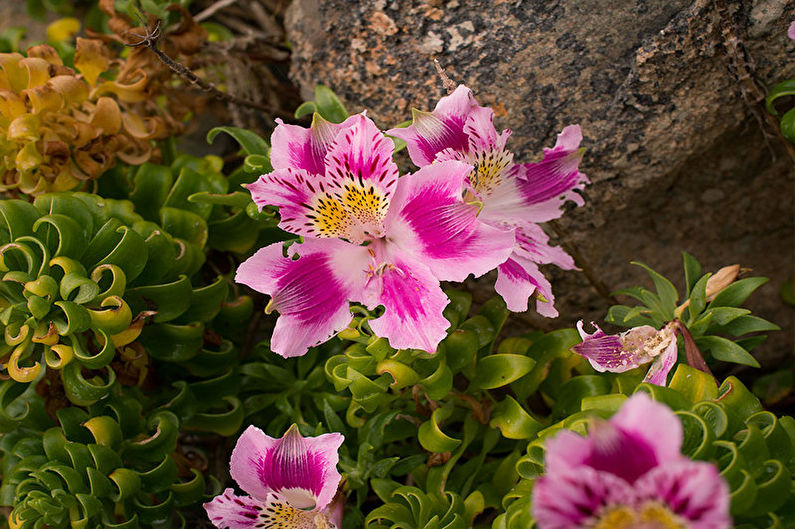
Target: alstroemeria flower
x,y
630,349
629,474
369,237
514,196
290,482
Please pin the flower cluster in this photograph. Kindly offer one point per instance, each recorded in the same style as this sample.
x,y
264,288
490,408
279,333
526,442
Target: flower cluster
x,y
373,237
629,473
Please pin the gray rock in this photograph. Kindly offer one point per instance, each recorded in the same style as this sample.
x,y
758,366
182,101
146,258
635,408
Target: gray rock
x,y
667,96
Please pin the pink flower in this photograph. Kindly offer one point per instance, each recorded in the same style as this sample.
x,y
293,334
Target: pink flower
x,y
628,474
370,237
290,482
514,196
630,349
791,32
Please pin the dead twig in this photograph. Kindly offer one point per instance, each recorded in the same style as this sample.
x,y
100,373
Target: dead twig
x,y
150,39
213,9
448,84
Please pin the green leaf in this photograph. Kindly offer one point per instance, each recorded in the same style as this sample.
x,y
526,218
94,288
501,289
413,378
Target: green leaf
x,y
250,142
692,271
698,298
726,350
513,421
497,370
665,290
787,125
735,294
724,315
431,436
747,323
785,88
307,108
328,105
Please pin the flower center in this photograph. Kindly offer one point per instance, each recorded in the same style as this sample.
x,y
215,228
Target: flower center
x,y
489,168
650,515
354,212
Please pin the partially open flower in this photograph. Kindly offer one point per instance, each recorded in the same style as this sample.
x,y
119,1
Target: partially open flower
x,y
629,474
630,349
291,482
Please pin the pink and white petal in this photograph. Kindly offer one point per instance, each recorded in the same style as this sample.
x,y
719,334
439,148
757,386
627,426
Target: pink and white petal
x,y
566,451
295,147
693,490
296,472
430,221
533,244
305,205
413,303
460,103
791,31
569,499
251,450
653,422
569,139
326,447
658,372
518,279
362,156
609,352
620,452
311,293
228,511
431,133
482,134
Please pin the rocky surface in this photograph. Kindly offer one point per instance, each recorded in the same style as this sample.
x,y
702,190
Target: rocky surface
x,y
667,96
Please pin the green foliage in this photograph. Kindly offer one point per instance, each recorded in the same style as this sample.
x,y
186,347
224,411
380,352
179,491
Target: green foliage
x,y
326,103
787,120
713,316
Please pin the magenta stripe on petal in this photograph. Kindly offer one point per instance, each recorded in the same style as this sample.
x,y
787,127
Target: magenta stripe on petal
x,y
293,471
310,293
434,225
228,511
296,147
302,470
654,423
622,453
413,303
569,500
693,490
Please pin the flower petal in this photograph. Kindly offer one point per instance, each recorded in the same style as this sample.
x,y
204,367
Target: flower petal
x,y
614,353
620,452
432,132
430,221
570,498
361,174
414,302
653,422
306,205
693,490
246,460
301,470
311,293
533,244
658,372
228,511
296,147
547,184
517,279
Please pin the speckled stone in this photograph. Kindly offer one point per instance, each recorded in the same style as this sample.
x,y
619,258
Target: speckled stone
x,y
676,158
